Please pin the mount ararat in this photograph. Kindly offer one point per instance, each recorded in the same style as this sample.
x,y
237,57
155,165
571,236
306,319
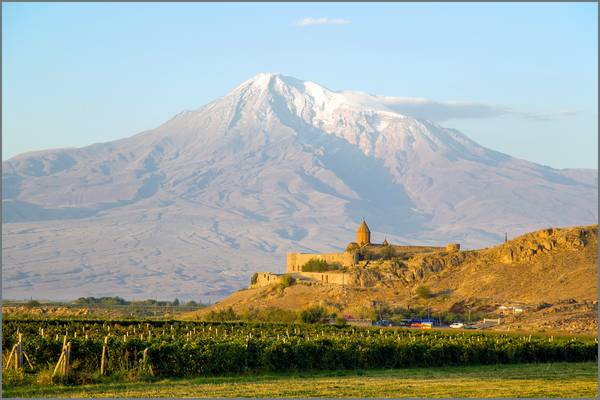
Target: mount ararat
x,y
192,208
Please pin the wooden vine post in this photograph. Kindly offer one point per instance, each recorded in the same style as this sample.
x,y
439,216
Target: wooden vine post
x,y
146,365
104,359
67,367
19,353
63,366
15,358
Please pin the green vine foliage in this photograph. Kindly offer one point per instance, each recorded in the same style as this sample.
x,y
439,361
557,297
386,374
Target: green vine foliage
x,y
177,348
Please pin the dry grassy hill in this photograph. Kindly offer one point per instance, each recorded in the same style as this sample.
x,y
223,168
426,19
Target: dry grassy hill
x,y
553,273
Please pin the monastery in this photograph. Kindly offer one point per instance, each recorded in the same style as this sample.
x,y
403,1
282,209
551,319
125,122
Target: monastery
x,y
357,254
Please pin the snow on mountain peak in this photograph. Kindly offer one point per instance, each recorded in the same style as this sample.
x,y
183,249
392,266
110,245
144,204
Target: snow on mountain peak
x,y
305,94
260,79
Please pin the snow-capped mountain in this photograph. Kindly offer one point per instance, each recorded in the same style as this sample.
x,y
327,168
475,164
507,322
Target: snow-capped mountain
x,y
195,206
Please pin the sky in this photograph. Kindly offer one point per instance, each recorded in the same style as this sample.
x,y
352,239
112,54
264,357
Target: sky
x,y
81,73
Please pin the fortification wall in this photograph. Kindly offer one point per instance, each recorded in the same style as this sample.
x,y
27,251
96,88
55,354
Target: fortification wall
x,y
266,279
296,260
417,249
376,251
338,278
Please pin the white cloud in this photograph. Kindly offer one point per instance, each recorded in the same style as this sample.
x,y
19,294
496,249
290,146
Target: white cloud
x,y
441,110
546,116
322,21
444,110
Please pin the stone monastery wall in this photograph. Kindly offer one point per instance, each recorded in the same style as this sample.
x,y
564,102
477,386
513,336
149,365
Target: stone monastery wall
x,y
296,260
417,249
339,278
266,279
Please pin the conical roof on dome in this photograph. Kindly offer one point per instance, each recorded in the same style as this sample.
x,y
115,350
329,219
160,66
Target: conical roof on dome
x,y
363,227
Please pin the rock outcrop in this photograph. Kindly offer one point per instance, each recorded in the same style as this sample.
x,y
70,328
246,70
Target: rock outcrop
x,y
526,247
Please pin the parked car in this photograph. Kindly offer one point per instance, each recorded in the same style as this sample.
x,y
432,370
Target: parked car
x,y
382,322
457,325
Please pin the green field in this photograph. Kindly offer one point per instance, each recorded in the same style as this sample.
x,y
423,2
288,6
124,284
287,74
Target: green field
x,y
514,380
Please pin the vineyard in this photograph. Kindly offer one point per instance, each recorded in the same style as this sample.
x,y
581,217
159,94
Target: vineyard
x,y
176,348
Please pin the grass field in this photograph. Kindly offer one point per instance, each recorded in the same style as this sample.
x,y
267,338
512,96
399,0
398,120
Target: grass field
x,y
517,380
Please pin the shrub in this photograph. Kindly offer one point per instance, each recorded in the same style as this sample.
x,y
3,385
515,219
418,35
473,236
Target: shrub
x,y
44,377
424,292
315,265
222,315
287,281
352,247
312,315
13,377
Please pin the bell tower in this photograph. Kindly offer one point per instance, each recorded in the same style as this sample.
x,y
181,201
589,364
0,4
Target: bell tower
x,y
363,234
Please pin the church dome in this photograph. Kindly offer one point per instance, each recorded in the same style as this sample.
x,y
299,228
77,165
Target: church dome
x,y
363,234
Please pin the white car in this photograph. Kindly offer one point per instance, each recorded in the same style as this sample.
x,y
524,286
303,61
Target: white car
x,y
457,325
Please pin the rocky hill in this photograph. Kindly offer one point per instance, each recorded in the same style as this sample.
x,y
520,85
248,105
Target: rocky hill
x,y
551,273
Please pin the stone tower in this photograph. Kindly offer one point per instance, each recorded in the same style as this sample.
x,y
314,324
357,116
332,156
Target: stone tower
x,y
363,234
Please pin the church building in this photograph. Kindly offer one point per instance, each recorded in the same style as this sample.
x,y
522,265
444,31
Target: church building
x,y
363,250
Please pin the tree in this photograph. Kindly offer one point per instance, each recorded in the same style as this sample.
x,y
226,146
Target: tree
x,y
312,315
424,292
33,303
176,302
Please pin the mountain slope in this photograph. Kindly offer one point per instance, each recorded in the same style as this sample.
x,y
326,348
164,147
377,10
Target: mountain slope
x,y
193,207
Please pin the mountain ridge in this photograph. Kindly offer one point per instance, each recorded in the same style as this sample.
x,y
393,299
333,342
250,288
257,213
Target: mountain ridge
x,y
275,165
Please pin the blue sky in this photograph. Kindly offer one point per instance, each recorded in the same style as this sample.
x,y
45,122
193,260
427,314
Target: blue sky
x,y
76,74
